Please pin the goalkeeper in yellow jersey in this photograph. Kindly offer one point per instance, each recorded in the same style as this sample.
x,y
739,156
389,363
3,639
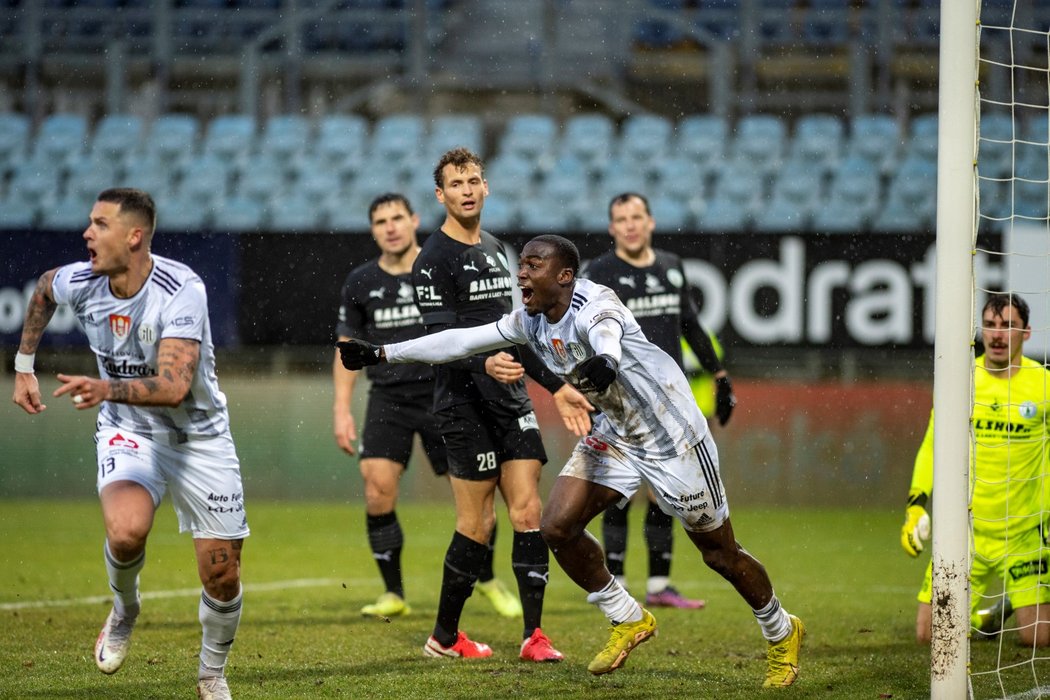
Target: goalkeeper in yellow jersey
x,y
1008,493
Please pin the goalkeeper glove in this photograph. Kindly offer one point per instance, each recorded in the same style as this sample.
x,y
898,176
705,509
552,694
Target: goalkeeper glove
x,y
916,528
356,354
600,371
725,400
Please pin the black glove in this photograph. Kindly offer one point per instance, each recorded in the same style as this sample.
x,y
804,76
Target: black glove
x,y
356,354
600,371
725,400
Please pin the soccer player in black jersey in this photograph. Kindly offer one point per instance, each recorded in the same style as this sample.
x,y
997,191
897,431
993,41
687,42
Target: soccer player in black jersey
x,y
462,279
651,283
378,304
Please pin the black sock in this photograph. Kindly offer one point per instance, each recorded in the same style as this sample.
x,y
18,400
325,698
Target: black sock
x,y
658,537
531,558
387,540
462,561
614,536
485,573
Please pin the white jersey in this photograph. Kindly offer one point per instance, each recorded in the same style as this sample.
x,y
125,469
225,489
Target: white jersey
x,y
124,334
649,411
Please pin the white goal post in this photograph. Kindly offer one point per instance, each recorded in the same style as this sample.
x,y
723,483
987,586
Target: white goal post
x,y
953,363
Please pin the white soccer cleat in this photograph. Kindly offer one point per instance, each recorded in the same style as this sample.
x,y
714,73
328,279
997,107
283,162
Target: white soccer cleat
x,y
111,647
213,689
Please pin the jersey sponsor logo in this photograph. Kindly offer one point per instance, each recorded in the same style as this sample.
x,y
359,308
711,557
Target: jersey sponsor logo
x,y
983,425
119,440
396,315
654,304
1023,569
125,369
559,348
491,284
428,293
627,282
595,444
577,351
602,315
120,326
528,422
147,335
1028,410
182,321
376,293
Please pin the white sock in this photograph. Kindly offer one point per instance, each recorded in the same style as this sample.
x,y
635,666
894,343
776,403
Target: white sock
x,y
124,582
774,621
655,584
219,622
616,603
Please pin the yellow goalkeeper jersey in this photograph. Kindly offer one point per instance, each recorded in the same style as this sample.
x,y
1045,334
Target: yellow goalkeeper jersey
x,y
1009,488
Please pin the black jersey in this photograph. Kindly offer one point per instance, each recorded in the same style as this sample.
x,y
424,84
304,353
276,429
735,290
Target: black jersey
x,y
462,286
380,308
657,297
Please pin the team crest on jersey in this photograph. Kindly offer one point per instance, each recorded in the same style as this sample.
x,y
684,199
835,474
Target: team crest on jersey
x,y
675,278
577,351
404,291
119,440
146,335
595,444
120,325
1027,410
559,348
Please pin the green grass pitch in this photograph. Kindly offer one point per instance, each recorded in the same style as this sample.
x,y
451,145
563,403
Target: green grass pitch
x,y
307,571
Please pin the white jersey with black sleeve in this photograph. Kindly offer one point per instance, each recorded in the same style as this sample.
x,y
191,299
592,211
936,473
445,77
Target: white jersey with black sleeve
x,y
125,335
649,411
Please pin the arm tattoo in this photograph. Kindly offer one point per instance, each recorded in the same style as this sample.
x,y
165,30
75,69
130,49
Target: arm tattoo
x,y
39,311
177,361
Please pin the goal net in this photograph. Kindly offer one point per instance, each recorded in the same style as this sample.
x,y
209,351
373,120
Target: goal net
x,y
1011,225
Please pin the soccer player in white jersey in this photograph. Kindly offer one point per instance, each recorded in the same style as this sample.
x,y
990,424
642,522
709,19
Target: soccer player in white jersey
x,y
162,420
1008,497
649,431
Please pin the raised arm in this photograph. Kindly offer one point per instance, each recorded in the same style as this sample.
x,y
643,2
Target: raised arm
x,y
39,311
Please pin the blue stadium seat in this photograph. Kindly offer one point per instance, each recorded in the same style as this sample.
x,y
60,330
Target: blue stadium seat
x,y
180,214
450,131
150,174
588,137
295,213
723,216
397,136
62,137
530,136
86,177
645,138
896,216
875,138
563,185
67,214
511,171
34,182
230,136
922,137
995,148
206,178
174,137
545,219
856,183
618,180
915,185
703,138
285,136
318,184
263,179
1031,199
117,136
670,215
740,186
993,199
17,214
837,216
817,141
14,135
342,142
500,214
800,183
760,141
681,177
782,215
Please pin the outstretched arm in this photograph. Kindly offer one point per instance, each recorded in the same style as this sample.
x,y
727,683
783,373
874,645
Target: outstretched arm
x,y
39,311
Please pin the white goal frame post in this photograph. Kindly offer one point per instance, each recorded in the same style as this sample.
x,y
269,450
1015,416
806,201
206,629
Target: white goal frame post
x,y
953,346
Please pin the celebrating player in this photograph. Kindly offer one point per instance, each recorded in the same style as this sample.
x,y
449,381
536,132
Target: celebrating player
x,y
461,280
1008,482
162,420
378,305
651,283
649,430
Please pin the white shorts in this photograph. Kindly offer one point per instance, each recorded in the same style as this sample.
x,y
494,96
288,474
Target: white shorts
x,y
688,487
204,477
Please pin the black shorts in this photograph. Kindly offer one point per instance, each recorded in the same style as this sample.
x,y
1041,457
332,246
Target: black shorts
x,y
390,422
481,436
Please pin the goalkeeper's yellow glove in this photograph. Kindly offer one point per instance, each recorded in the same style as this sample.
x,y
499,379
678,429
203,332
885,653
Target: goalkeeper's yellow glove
x,y
916,529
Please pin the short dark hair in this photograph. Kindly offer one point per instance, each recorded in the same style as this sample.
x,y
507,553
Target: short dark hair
x,y
459,157
564,249
131,201
388,198
999,301
625,197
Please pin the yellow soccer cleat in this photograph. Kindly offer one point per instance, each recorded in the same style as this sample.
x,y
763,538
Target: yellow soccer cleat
x,y
782,657
625,637
503,600
387,605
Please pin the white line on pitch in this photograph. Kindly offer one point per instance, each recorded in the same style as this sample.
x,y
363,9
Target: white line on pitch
x,y
1033,694
185,593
